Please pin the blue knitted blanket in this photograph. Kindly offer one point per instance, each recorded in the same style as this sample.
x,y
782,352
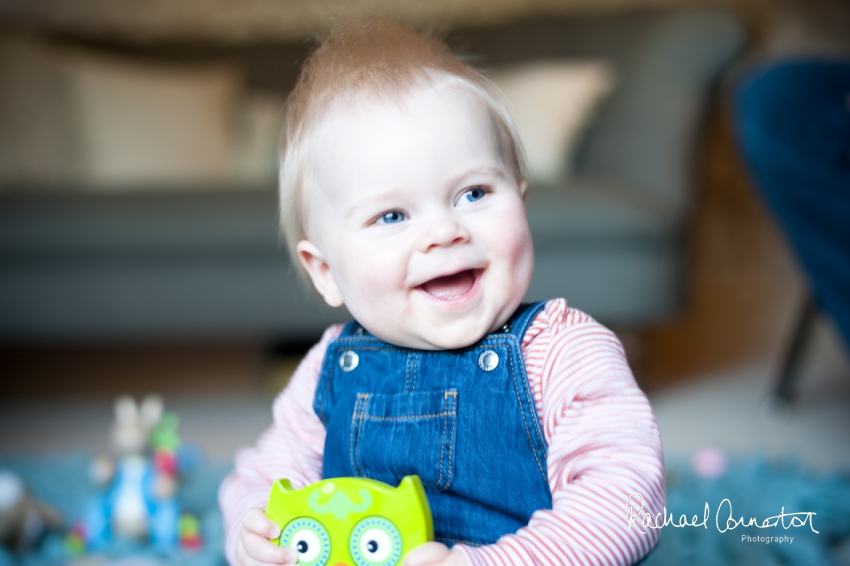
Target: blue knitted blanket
x,y
753,489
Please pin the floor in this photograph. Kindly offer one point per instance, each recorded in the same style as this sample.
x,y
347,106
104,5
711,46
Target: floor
x,y
733,410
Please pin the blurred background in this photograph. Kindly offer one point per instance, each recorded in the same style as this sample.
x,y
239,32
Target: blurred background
x,y
139,247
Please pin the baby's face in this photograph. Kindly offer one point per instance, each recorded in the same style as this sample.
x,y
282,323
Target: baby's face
x,y
416,221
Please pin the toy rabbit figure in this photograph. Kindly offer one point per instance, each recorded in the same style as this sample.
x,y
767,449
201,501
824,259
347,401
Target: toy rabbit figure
x,y
139,501
130,435
133,424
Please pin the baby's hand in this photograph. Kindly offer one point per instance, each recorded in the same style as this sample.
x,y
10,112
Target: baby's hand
x,y
254,547
434,554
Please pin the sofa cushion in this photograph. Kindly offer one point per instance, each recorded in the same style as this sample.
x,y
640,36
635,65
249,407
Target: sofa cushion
x,y
142,123
616,285
596,212
36,226
552,102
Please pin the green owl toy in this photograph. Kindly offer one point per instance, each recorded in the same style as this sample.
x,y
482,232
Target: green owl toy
x,y
351,521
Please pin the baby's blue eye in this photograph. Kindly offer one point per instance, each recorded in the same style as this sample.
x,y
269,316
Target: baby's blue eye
x,y
474,194
391,217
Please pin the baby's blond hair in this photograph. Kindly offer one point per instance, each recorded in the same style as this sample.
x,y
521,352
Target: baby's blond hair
x,y
371,60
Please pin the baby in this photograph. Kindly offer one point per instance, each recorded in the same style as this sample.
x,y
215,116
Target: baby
x,y
402,198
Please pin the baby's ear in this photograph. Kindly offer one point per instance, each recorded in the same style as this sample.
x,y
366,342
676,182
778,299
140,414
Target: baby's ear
x,y
523,190
320,272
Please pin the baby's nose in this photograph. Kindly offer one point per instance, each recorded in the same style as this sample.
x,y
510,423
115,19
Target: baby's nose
x,y
443,232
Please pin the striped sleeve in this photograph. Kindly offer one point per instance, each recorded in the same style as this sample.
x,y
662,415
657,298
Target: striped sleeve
x,y
603,446
290,448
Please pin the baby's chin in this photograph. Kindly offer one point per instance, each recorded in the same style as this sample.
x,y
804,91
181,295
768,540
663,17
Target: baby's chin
x,y
430,342
447,336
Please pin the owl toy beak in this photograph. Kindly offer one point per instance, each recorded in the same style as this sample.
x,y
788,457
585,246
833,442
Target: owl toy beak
x,y
340,564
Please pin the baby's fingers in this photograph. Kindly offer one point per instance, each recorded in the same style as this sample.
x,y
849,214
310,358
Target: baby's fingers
x,y
426,553
254,546
255,521
254,550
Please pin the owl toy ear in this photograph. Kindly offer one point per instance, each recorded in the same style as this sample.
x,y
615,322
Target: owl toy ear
x,y
411,487
411,490
277,508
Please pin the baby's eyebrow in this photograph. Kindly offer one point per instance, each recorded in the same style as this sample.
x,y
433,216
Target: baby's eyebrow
x,y
484,170
367,203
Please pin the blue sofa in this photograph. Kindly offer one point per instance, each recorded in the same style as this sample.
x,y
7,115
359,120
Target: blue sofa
x,y
197,264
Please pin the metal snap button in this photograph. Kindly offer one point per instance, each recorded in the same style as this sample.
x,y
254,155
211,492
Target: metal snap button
x,y
349,360
488,360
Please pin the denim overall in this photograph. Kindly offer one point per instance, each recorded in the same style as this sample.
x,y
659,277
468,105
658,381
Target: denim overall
x,y
463,420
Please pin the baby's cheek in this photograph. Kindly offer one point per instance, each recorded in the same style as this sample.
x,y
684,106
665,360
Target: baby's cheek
x,y
372,278
525,249
514,237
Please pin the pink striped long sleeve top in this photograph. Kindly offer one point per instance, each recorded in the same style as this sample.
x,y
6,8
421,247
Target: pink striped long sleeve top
x,y
602,438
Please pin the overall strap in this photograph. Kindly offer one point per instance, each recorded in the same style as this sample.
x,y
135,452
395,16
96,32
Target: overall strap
x,y
516,327
522,319
351,328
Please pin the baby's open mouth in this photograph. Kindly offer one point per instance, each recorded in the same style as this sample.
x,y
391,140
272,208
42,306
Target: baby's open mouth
x,y
451,286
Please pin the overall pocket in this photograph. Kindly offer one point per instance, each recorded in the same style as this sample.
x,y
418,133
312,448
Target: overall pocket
x,y
405,433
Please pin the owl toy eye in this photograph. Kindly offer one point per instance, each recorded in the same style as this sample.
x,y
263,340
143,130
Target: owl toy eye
x,y
310,540
375,541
